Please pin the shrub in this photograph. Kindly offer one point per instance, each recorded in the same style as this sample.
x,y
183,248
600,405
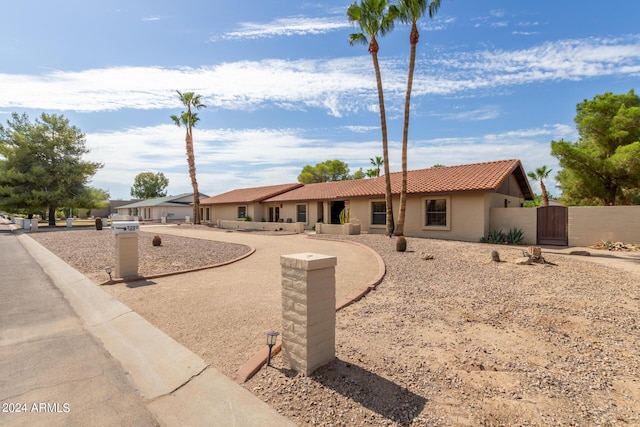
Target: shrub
x,y
514,236
247,218
496,236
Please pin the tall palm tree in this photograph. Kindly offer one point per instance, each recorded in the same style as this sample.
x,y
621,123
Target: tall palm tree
x,y
540,174
188,119
410,12
376,18
377,162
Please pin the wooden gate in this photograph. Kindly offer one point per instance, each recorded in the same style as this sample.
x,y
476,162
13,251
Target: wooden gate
x,y
553,225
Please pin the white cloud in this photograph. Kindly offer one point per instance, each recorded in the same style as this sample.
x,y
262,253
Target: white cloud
x,y
339,86
290,26
486,113
152,18
262,156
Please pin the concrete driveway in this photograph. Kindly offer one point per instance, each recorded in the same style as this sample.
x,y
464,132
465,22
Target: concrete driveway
x,y
221,314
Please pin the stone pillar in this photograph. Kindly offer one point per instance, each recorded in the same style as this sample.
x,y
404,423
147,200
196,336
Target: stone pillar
x,y
126,255
308,310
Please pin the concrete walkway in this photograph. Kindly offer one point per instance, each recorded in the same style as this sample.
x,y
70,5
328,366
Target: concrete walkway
x,y
56,325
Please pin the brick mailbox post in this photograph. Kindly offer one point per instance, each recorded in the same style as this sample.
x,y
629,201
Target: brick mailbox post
x,y
126,233
308,310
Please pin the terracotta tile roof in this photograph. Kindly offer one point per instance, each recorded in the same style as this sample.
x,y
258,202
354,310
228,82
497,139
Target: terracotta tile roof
x,y
477,177
249,195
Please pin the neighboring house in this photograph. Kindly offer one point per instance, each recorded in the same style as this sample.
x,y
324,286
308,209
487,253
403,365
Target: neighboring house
x,y
111,210
442,202
246,203
172,208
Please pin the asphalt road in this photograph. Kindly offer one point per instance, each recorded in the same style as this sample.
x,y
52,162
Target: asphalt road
x,y
52,370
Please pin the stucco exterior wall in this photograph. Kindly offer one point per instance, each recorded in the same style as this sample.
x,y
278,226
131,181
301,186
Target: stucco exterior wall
x,y
589,225
296,227
525,219
224,212
173,213
467,220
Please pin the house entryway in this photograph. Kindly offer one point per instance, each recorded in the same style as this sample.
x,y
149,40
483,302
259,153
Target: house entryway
x,y
274,213
336,208
553,225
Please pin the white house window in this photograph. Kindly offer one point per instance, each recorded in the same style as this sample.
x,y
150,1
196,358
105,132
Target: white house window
x,y
436,213
242,212
301,213
378,213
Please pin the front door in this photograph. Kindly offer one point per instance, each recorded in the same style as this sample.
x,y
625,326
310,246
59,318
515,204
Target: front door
x,y
274,214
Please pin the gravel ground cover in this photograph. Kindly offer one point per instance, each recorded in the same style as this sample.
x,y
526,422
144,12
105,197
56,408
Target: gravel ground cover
x,y
456,340
462,340
90,251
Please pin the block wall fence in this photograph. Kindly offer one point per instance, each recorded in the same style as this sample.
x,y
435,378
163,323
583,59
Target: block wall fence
x,y
588,225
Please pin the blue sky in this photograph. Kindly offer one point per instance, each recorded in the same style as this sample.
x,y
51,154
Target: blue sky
x,y
283,87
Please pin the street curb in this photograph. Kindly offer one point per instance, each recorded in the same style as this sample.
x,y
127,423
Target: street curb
x,y
180,387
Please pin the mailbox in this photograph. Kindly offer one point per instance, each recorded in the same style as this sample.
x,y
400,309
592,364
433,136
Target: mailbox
x,y
125,227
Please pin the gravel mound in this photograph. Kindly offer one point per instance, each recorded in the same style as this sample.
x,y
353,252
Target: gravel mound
x,y
90,251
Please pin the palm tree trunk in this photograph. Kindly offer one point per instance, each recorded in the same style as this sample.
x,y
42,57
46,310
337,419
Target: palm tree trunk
x,y
192,173
545,196
414,37
385,145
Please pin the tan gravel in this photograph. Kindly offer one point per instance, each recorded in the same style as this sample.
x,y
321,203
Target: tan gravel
x,y
461,340
221,313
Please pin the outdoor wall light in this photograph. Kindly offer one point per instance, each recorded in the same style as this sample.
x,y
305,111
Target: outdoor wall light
x,y
271,341
108,270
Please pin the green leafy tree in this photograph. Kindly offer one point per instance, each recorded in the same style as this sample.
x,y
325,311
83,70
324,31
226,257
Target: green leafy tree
x,y
410,11
41,165
92,198
603,166
540,175
329,170
376,18
188,119
359,174
371,173
149,185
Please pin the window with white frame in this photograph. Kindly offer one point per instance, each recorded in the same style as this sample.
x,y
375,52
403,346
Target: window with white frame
x,y
436,213
301,213
242,212
378,213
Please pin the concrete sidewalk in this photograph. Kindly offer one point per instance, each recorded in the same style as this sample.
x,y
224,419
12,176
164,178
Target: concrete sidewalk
x,y
56,325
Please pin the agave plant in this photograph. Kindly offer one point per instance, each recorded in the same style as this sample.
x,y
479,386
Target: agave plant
x,y
496,236
514,236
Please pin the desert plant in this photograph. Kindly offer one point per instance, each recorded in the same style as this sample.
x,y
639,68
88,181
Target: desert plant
x,y
247,218
98,223
496,236
157,241
514,236
345,216
401,244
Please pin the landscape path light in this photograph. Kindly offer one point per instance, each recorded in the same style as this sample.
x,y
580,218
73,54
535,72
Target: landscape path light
x,y
108,270
271,341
